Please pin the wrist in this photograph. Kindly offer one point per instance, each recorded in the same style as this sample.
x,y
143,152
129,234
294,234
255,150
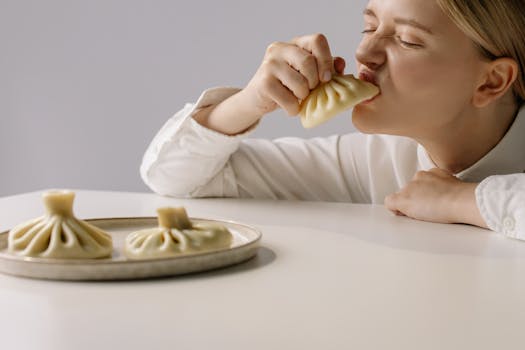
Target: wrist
x,y
246,105
465,209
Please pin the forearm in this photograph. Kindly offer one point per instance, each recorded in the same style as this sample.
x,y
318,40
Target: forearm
x,y
230,117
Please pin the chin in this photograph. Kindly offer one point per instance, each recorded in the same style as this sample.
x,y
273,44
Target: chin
x,y
366,121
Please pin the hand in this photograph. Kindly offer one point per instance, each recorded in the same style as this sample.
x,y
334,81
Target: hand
x,y
289,71
437,196
287,74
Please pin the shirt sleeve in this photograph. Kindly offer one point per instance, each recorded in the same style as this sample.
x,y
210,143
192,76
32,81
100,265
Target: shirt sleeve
x,y
184,155
501,201
185,159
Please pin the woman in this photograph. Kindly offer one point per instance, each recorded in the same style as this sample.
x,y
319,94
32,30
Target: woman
x,y
452,85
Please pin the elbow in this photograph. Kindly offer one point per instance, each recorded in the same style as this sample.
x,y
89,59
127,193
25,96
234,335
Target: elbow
x,y
165,183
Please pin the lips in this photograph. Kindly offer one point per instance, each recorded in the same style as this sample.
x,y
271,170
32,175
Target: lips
x,y
369,77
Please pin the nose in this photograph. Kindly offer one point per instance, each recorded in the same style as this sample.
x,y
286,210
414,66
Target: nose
x,y
371,51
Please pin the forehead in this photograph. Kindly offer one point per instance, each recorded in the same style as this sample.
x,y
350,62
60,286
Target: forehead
x,y
426,12
447,36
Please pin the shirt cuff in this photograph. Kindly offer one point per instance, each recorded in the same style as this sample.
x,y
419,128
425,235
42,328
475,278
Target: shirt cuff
x,y
496,203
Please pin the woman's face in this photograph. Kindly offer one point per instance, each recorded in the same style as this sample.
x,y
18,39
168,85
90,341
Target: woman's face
x,y
426,67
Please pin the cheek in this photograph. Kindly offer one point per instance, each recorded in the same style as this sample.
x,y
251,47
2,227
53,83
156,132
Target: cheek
x,y
418,94
413,78
429,83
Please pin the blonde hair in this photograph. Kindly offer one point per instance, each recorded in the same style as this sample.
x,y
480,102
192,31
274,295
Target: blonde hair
x,y
497,27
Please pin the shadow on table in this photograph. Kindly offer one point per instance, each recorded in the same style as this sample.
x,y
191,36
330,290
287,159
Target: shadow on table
x,y
264,257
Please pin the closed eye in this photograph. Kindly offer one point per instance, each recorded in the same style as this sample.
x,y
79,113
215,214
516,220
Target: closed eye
x,y
404,43
408,44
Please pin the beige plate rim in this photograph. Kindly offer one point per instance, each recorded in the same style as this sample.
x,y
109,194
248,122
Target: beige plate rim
x,y
239,252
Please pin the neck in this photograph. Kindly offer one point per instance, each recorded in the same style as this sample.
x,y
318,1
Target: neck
x,y
468,138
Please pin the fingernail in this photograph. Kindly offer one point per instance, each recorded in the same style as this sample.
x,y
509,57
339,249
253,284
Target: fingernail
x,y
327,76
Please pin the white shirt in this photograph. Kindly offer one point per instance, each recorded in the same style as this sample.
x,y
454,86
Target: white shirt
x,y
186,159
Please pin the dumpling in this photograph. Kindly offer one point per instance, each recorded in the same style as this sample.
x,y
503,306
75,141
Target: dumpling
x,y
206,236
58,234
175,234
333,97
159,242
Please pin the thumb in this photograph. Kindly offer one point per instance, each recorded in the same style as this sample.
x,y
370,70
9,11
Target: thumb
x,y
339,65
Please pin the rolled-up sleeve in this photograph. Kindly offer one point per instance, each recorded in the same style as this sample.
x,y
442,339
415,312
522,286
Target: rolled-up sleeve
x,y
501,201
184,156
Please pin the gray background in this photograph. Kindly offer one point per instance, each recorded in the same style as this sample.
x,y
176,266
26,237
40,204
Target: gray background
x,y
85,85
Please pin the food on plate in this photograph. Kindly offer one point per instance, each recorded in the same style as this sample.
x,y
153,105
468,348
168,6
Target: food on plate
x,y
175,235
58,234
333,97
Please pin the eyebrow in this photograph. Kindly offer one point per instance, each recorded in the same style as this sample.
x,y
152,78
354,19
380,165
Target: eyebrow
x,y
404,21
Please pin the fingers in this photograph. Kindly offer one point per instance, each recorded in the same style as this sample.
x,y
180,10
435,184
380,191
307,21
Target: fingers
x,y
317,44
299,59
282,96
291,70
293,80
395,203
283,85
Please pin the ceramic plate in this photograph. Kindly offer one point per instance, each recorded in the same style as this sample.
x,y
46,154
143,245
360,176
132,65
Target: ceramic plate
x,y
245,243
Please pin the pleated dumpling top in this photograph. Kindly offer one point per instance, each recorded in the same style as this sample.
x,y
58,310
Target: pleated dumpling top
x,y
175,234
334,97
58,234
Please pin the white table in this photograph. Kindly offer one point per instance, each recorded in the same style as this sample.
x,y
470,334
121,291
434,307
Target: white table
x,y
328,276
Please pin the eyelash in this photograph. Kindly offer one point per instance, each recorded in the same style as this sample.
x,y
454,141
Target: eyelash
x,y
398,38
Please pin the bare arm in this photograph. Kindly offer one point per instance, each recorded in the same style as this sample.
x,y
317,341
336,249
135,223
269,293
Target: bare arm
x,y
437,196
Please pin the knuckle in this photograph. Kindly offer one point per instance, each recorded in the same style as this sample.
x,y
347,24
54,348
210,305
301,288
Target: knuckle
x,y
309,61
419,175
393,202
268,64
319,39
273,47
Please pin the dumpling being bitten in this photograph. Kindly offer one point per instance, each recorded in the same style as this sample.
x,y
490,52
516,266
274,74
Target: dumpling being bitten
x,y
333,97
58,234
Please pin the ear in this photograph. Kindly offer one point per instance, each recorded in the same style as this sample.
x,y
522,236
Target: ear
x,y
498,77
